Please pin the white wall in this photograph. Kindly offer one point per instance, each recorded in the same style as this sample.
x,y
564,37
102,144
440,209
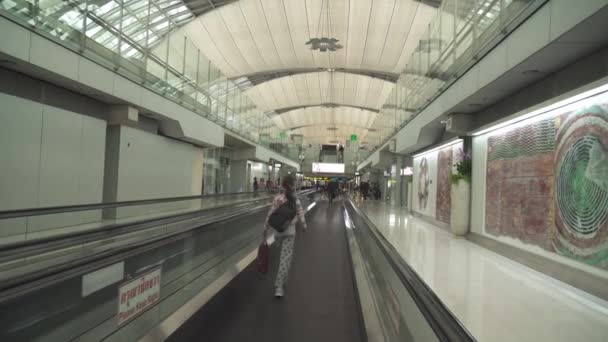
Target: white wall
x,y
478,184
153,166
30,48
48,157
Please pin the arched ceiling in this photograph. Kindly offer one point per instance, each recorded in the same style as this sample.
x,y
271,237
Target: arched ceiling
x,y
261,46
314,88
253,36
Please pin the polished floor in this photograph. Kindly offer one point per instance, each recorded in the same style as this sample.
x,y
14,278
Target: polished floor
x,y
495,298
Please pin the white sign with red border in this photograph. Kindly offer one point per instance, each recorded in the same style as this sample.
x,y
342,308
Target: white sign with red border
x,y
137,295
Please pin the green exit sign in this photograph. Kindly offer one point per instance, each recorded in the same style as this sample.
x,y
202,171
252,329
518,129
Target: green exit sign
x,y
353,137
283,135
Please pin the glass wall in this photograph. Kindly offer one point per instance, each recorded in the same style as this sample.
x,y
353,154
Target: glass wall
x,y
460,30
216,171
145,41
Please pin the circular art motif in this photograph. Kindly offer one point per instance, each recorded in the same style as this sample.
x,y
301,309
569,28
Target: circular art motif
x,y
581,185
582,201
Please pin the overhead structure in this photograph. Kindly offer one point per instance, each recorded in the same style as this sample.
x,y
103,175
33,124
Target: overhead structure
x,y
321,87
309,53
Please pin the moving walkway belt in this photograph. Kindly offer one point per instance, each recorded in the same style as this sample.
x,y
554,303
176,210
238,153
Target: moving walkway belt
x,y
91,249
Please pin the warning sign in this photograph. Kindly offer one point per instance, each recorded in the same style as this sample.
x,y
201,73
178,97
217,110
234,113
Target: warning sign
x,y
137,295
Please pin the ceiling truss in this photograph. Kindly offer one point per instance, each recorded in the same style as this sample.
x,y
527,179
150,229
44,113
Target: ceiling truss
x,y
325,105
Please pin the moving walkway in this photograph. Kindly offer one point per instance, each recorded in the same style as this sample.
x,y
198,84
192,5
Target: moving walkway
x,y
180,269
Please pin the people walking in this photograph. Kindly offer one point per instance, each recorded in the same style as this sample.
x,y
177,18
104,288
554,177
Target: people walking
x,y
287,237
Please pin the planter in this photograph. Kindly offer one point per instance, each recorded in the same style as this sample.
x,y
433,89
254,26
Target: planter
x,y
460,207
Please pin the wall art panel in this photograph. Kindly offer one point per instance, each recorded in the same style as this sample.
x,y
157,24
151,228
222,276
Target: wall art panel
x,y
547,182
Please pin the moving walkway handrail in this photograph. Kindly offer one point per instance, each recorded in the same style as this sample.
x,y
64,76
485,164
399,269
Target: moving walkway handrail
x,y
7,214
23,284
444,323
67,238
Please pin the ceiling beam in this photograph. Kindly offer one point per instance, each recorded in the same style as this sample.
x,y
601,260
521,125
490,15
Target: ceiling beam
x,y
327,125
200,7
326,105
251,80
432,3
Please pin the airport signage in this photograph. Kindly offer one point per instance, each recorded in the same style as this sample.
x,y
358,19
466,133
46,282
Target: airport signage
x,y
137,295
328,167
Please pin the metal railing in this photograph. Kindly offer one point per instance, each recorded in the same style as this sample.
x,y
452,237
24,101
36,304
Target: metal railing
x,y
143,41
460,34
393,285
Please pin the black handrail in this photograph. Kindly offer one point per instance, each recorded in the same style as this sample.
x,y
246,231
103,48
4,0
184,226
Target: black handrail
x,y
28,283
8,214
444,323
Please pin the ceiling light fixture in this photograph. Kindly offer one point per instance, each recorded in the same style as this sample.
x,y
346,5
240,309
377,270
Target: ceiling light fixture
x,y
324,41
324,44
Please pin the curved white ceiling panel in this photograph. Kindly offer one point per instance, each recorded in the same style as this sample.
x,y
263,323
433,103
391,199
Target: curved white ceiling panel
x,y
326,117
321,87
252,36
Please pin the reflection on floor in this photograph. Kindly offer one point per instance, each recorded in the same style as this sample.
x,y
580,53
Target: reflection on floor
x,y
495,298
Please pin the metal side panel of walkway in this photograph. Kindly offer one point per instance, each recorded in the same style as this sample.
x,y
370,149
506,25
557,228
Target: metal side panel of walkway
x,y
321,302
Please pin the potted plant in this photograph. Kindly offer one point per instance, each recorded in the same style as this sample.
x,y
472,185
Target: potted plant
x,y
461,194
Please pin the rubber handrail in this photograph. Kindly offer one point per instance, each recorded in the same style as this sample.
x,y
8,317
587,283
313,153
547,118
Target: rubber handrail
x,y
58,273
9,214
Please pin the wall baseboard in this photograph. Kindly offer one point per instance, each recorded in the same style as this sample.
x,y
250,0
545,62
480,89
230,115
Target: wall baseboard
x,y
573,276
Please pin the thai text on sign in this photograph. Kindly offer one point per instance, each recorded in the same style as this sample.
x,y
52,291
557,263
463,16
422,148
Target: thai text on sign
x,y
137,295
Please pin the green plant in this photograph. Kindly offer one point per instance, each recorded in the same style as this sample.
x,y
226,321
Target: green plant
x,y
464,167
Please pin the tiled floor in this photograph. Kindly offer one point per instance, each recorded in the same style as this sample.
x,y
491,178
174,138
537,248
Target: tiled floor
x,y
495,298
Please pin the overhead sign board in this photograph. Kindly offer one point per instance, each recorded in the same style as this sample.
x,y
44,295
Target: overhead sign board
x,y
327,167
137,295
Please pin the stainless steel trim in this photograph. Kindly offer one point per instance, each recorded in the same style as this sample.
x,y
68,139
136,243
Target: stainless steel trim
x,y
162,331
82,207
371,318
167,327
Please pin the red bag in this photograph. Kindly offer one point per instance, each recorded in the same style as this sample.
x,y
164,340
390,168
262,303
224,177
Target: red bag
x,y
263,256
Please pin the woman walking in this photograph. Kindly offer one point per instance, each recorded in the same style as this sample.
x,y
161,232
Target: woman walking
x,y
287,237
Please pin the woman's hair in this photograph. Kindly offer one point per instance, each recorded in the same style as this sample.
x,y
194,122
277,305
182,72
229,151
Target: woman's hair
x,y
289,185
